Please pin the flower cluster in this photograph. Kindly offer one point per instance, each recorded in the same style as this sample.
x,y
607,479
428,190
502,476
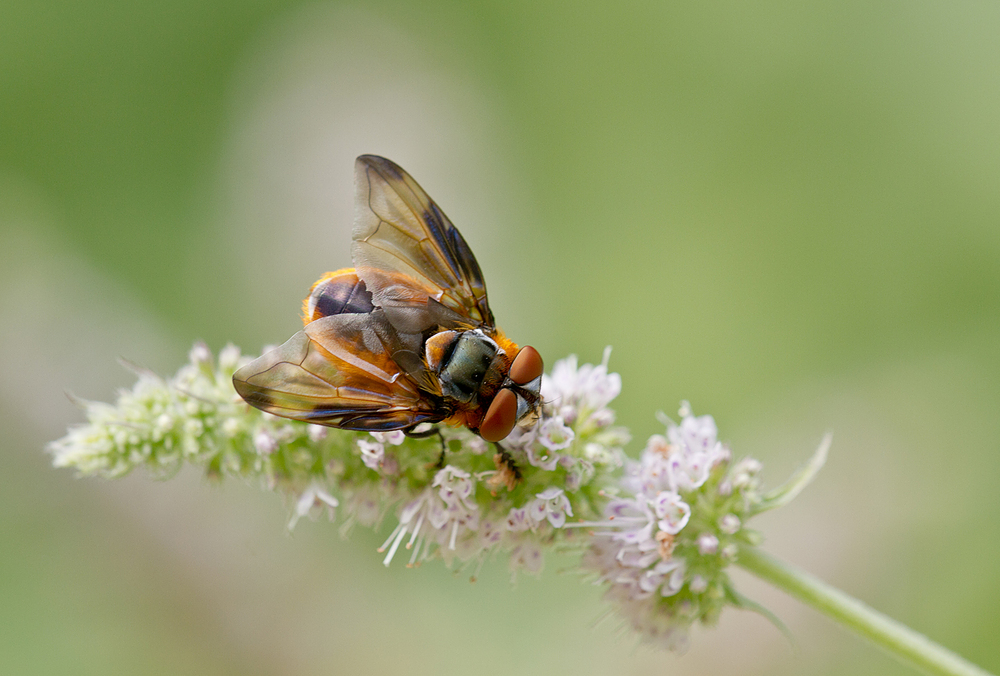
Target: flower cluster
x,y
460,502
672,530
658,532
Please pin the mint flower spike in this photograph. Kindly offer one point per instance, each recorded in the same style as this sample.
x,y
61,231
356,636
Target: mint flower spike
x,y
463,512
659,533
674,526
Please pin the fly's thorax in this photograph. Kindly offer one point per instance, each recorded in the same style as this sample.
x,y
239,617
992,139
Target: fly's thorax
x,y
470,365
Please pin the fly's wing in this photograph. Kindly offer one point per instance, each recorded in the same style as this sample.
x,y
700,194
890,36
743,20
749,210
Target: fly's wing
x,y
343,292
337,372
409,254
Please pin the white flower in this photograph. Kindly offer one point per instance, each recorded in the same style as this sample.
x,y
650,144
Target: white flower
x,y
578,471
200,355
602,454
364,506
665,576
164,423
412,516
695,434
231,427
518,520
456,486
527,556
632,519
442,517
476,445
568,414
393,438
745,474
707,544
264,442
672,512
229,358
652,473
552,505
698,584
316,433
600,387
561,385
586,387
540,459
490,534
694,449
314,495
554,435
729,524
603,418
193,427
372,453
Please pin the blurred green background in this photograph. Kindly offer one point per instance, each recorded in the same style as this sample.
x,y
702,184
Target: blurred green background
x,y
787,213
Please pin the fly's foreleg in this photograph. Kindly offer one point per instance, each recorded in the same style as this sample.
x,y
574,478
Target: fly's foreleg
x,y
508,473
434,431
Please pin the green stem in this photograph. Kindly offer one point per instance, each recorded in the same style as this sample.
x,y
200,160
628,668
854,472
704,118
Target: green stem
x,y
896,639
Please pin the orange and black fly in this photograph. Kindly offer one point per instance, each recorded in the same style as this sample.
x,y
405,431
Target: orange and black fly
x,y
404,337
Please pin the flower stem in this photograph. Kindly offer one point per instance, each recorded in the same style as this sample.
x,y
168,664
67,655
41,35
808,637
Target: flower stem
x,y
895,638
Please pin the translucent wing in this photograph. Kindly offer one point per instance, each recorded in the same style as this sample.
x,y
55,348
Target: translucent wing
x,y
337,372
343,292
408,252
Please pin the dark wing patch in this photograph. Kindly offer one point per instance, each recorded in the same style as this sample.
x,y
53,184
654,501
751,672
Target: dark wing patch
x,y
337,372
402,236
340,292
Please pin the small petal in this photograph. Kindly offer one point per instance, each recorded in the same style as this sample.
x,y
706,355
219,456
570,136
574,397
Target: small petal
x,y
264,442
313,496
707,544
518,520
527,557
673,512
550,493
200,355
393,438
229,358
729,524
316,433
698,584
537,510
372,453
555,435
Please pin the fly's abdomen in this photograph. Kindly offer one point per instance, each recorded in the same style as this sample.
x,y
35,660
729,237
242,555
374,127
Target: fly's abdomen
x,y
340,292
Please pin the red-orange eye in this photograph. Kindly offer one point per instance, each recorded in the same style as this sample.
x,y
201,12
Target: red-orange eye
x,y
500,418
527,366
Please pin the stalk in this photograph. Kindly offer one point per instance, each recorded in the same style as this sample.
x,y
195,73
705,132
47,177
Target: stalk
x,y
897,639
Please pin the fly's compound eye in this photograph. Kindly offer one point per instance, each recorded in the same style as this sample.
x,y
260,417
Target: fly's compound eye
x,y
500,417
527,366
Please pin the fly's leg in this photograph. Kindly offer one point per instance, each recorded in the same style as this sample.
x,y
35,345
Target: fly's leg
x,y
508,473
508,460
427,434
